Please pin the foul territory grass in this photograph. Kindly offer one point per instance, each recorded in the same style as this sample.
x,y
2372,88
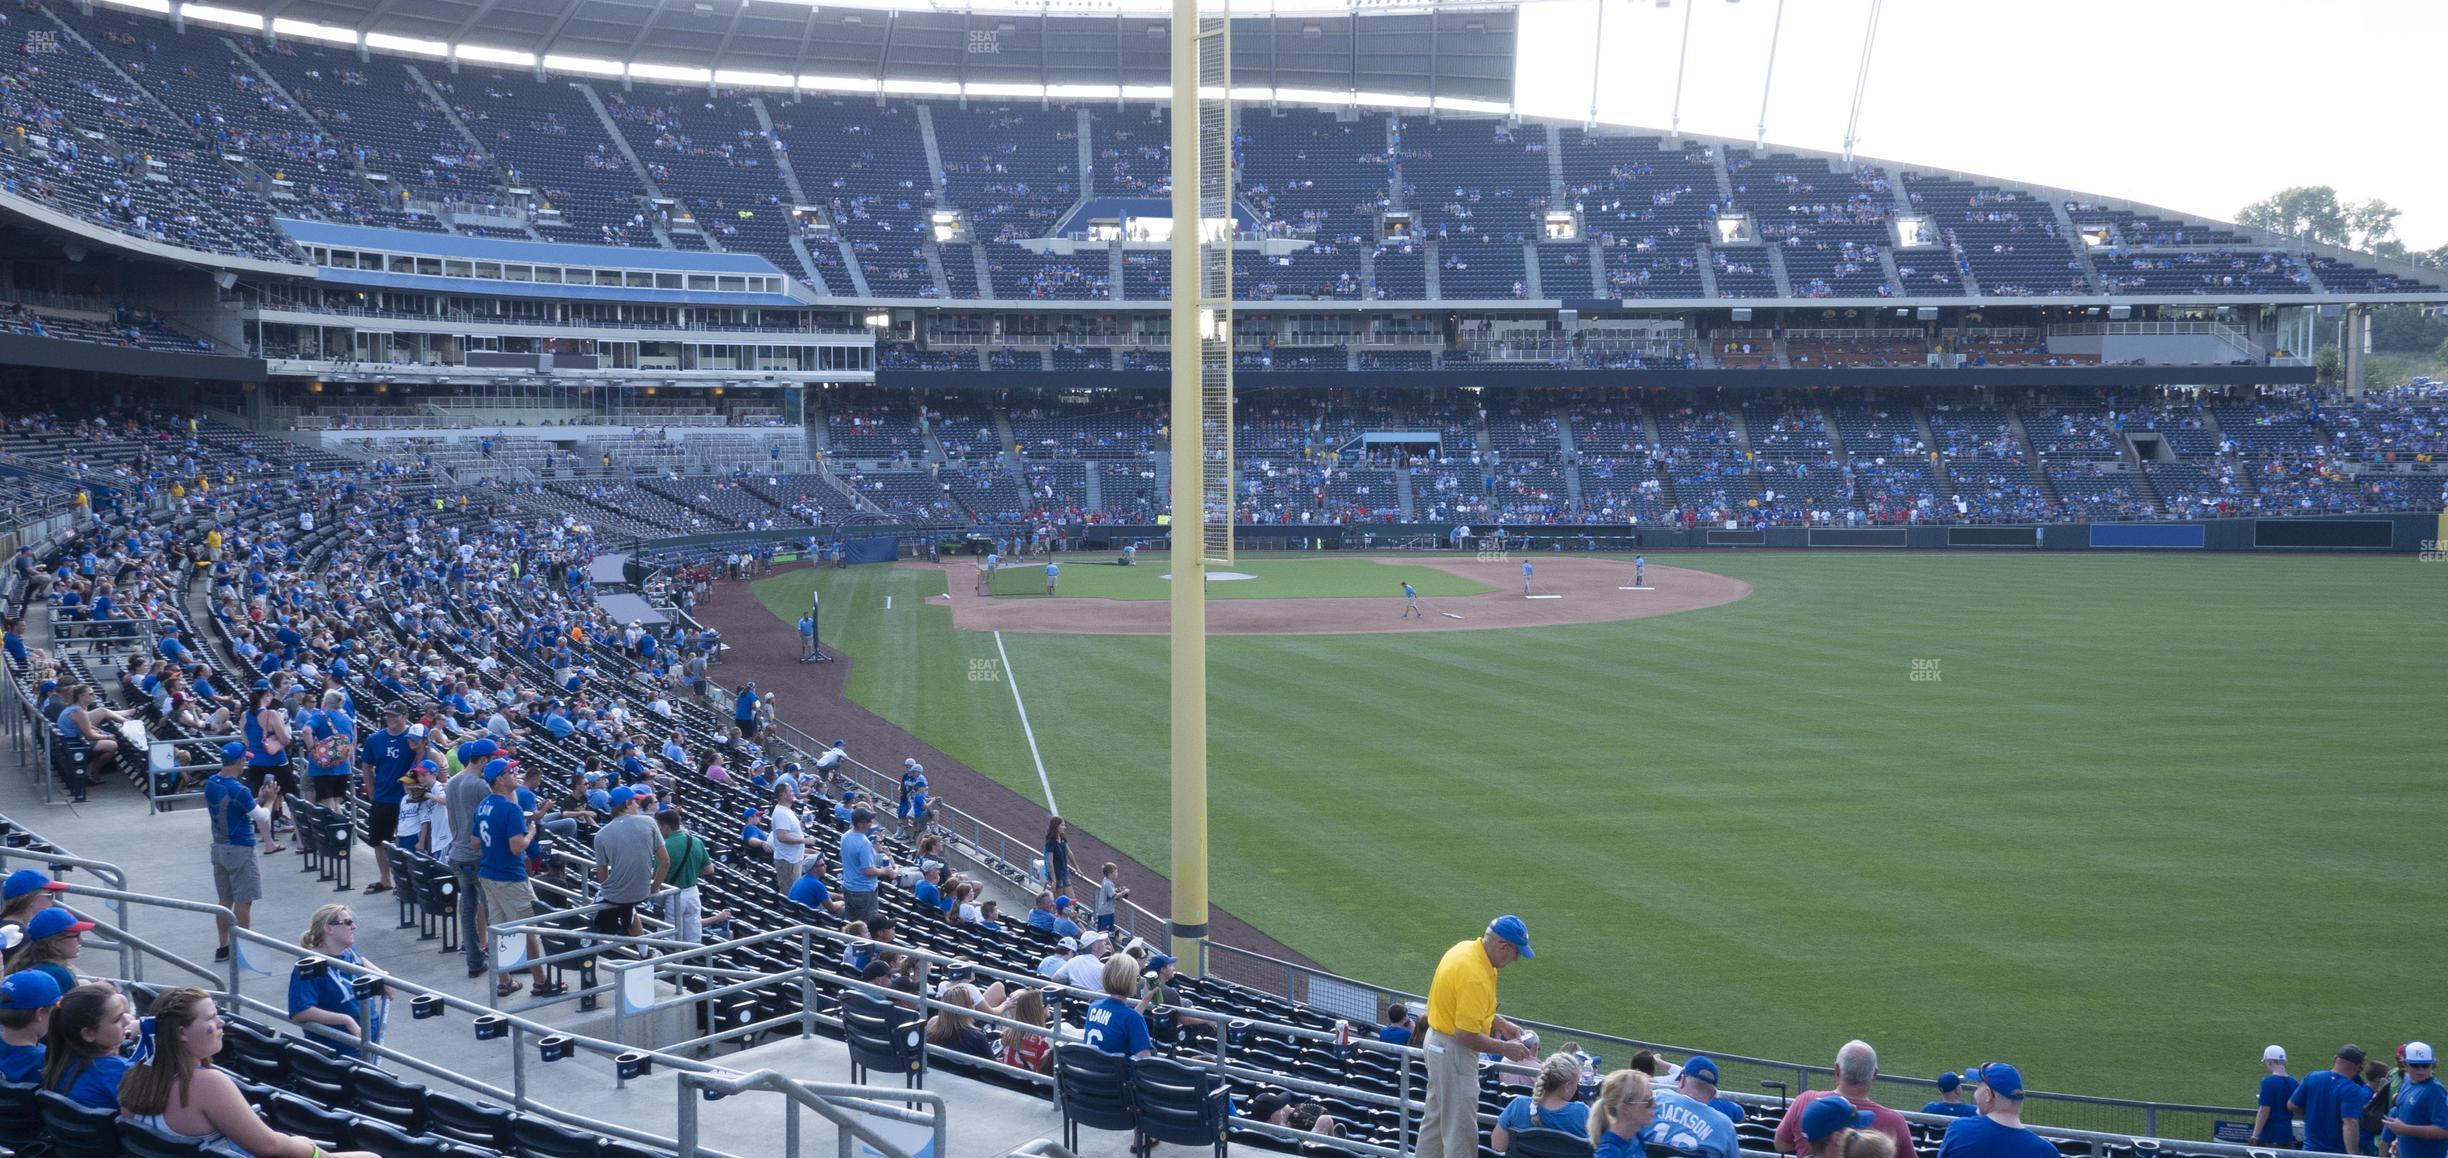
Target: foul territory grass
x,y
1278,577
2137,817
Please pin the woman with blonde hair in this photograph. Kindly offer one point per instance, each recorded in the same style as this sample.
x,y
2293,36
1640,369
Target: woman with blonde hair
x,y
174,1090
1550,1105
1114,1026
323,998
954,1030
1624,1107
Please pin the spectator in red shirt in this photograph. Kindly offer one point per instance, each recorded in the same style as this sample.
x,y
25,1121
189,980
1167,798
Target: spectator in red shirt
x,y
1856,1069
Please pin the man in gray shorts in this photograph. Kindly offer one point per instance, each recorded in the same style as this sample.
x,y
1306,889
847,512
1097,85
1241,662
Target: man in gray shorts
x,y
237,876
460,796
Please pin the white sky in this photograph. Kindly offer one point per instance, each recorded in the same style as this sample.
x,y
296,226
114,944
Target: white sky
x,y
2200,106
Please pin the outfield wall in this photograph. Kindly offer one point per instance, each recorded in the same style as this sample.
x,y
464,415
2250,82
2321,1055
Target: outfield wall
x,y
2397,533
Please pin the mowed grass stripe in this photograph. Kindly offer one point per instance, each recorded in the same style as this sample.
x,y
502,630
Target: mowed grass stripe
x,y
2148,802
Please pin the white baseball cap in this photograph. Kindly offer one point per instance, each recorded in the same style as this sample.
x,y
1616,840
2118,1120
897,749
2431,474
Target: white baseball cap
x,y
2418,1053
2274,1053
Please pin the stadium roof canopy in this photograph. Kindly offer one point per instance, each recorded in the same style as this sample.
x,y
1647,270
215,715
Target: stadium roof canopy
x,y
1455,54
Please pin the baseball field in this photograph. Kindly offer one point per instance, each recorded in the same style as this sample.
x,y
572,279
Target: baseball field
x,y
2120,819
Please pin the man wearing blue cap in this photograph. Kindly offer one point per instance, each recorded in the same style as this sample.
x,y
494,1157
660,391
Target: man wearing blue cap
x,y
462,795
27,998
1462,1024
1685,1122
629,859
1698,1082
237,876
1998,1131
1950,1098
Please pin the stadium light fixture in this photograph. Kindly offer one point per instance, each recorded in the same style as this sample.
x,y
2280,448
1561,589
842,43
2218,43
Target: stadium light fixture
x,y
879,319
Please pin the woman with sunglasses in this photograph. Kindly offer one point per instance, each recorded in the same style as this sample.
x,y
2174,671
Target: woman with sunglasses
x,y
54,939
174,1090
1624,1107
324,998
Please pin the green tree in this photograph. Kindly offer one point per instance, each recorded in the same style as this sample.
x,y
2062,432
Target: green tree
x,y
2327,365
2314,213
2310,212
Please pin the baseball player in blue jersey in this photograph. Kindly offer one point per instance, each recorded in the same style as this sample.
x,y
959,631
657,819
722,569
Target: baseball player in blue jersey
x,y
1411,605
1052,572
1639,563
1525,578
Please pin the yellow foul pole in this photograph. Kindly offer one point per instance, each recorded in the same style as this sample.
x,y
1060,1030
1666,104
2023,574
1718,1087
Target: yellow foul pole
x,y
1189,594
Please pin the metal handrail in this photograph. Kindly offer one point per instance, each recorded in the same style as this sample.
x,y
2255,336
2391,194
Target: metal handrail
x,y
826,1098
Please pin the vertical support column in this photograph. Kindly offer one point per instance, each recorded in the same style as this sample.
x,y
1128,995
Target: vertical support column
x,y
1189,594
2356,346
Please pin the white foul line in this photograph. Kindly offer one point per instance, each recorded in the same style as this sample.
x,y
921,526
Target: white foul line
x,y
888,603
1025,730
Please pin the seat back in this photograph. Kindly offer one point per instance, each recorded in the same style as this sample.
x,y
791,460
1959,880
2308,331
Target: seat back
x,y
383,1096
295,1115
1540,1142
882,1035
1176,1102
20,1115
390,1141
1095,1086
539,1138
320,1075
76,1131
137,1141
466,1121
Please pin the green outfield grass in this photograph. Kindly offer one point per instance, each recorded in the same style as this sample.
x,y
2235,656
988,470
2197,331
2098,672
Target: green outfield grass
x,y
1279,576
2153,813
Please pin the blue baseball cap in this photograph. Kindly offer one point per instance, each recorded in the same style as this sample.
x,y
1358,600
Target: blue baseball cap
x,y
1949,1082
475,750
1062,902
1702,1068
621,796
29,989
25,881
53,922
1510,929
496,769
2002,1079
233,752
750,812
1159,961
1830,1114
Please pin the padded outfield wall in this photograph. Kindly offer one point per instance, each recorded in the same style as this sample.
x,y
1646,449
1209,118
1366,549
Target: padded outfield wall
x,y
2399,533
